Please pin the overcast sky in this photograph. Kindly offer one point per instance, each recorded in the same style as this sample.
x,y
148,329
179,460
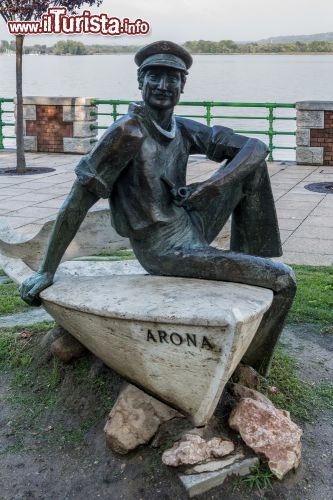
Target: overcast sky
x,y
182,20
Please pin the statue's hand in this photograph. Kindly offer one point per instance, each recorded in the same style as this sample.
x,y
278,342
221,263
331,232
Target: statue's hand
x,y
194,195
32,286
182,194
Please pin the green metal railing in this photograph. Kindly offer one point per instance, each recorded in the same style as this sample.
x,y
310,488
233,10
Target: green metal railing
x,y
207,115
270,132
4,124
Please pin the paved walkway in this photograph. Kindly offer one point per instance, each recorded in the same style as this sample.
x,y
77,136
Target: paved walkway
x,y
305,218
25,318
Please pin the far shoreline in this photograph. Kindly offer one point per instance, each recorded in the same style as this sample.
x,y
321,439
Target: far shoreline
x,y
192,53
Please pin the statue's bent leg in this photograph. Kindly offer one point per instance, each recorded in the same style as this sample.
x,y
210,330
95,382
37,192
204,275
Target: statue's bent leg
x,y
214,264
260,353
250,201
254,232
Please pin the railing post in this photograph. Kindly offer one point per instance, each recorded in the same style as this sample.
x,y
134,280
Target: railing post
x,y
1,134
114,112
208,113
270,132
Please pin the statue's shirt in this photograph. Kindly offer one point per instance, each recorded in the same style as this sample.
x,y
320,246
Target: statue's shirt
x,y
128,163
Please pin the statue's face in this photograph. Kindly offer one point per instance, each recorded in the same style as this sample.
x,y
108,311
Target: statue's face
x,y
161,87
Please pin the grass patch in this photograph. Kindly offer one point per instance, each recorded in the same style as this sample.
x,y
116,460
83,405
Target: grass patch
x,y
301,399
10,300
13,349
2,273
314,298
124,254
107,256
51,403
259,479
325,392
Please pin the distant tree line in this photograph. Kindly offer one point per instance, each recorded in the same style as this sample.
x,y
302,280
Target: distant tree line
x,y
70,47
230,47
6,46
79,48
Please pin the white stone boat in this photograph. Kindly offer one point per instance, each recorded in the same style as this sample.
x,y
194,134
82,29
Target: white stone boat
x,y
178,339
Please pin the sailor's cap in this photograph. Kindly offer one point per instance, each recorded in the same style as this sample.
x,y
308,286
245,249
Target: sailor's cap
x,y
164,53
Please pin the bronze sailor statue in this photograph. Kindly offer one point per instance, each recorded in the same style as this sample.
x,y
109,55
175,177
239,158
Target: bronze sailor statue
x,y
140,163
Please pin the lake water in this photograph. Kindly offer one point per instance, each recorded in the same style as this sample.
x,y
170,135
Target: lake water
x,y
247,78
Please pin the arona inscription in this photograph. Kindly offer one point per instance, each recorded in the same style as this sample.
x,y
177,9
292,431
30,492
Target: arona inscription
x,y
178,339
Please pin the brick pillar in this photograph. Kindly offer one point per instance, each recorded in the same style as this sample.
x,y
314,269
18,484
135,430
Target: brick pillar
x,y
58,124
314,136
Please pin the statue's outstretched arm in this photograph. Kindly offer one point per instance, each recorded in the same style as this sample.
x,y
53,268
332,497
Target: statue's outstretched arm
x,y
69,219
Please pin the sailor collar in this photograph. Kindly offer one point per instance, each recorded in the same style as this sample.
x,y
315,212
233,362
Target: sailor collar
x,y
140,110
169,134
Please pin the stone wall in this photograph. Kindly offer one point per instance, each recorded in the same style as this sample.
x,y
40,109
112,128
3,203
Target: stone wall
x,y
314,136
58,124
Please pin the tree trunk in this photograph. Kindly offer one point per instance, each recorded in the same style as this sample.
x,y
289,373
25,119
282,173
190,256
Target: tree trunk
x,y
20,158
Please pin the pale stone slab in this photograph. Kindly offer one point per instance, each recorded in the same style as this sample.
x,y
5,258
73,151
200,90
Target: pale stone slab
x,y
315,105
309,245
318,221
301,169
82,129
94,236
286,204
10,205
310,119
316,232
35,197
289,224
327,201
214,465
182,351
17,222
309,155
29,317
197,484
303,137
101,268
300,213
34,211
77,145
300,193
16,269
57,101
29,112
290,177
30,143
314,259
78,113
222,240
285,235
